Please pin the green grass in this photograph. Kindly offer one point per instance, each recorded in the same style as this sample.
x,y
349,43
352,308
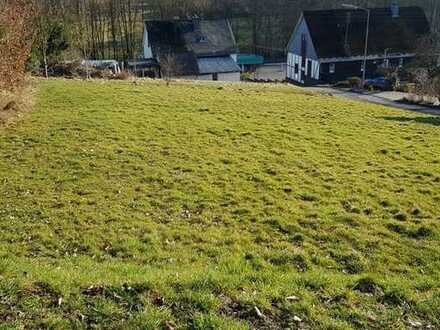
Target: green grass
x,y
145,206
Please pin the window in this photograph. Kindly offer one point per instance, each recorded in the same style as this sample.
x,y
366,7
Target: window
x,y
332,68
401,62
201,39
296,68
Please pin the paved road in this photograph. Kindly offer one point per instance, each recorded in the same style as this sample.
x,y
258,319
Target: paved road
x,y
389,99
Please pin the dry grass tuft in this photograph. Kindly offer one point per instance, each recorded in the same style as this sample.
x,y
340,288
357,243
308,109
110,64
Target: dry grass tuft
x,y
123,75
14,104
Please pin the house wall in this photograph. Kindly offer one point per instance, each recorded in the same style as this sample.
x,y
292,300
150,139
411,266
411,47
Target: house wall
x,y
148,52
231,76
345,70
296,71
273,71
301,74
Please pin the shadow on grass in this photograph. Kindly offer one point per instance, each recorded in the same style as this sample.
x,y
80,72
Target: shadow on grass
x,y
422,120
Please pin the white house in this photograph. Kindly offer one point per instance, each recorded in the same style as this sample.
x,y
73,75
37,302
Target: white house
x,y
329,45
201,49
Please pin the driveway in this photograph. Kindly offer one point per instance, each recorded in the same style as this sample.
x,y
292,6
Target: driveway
x,y
389,99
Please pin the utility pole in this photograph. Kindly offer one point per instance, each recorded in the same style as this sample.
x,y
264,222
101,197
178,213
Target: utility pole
x,y
367,32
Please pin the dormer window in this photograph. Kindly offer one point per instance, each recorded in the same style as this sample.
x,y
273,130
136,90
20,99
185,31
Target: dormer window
x,y
201,39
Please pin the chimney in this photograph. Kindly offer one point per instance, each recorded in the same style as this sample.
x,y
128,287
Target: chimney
x,y
395,11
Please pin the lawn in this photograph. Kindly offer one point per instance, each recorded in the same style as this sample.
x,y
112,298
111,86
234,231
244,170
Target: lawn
x,y
205,206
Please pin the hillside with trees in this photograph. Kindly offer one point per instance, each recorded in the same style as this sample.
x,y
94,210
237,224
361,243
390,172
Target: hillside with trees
x,y
104,29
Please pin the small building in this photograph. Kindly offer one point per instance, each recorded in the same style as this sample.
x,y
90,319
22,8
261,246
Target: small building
x,y
193,49
328,46
249,62
144,68
110,65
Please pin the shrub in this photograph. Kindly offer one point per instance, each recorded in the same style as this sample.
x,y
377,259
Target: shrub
x,y
426,83
103,74
15,41
355,82
246,76
406,88
67,69
123,75
77,69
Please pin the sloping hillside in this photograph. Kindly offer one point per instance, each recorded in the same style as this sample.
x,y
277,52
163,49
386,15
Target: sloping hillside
x,y
204,206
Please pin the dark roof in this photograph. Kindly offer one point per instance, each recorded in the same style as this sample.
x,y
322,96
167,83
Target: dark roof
x,y
223,64
330,28
211,37
202,37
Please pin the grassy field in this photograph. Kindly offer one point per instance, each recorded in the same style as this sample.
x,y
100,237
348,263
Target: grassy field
x,y
201,206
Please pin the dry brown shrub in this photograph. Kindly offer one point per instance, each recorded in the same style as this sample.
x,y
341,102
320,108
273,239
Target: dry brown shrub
x,y
123,75
16,18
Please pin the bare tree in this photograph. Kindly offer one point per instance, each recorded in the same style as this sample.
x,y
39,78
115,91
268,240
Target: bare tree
x,y
169,67
42,37
80,34
428,52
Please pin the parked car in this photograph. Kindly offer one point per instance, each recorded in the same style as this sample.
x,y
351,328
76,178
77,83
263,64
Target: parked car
x,y
380,83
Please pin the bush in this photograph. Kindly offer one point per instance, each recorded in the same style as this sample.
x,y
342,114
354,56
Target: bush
x,y
246,76
406,88
103,74
79,70
355,82
68,70
427,83
15,42
123,75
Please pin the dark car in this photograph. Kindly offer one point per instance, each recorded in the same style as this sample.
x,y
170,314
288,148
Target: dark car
x,y
380,83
